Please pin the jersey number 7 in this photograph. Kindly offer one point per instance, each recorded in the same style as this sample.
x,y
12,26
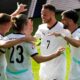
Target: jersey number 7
x,y
48,41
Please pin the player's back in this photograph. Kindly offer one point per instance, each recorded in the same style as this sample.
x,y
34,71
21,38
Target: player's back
x,y
18,59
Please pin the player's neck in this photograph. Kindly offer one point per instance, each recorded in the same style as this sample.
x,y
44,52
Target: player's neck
x,y
72,28
2,32
52,24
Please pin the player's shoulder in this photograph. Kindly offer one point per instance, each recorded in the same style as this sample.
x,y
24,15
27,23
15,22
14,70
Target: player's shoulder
x,y
13,36
1,37
44,25
28,45
8,36
66,32
60,23
78,29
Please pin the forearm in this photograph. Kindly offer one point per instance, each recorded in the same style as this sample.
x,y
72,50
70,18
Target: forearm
x,y
11,43
15,13
20,8
40,59
73,42
50,57
70,40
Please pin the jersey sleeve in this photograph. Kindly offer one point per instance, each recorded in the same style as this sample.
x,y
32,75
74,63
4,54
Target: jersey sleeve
x,y
31,49
13,36
77,34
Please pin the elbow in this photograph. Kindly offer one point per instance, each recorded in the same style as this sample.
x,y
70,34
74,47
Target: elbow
x,y
76,45
38,62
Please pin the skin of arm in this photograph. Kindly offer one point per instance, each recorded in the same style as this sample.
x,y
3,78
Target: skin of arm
x,y
10,43
40,59
72,41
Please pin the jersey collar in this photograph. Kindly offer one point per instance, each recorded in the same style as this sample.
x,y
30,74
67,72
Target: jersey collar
x,y
74,30
53,25
18,33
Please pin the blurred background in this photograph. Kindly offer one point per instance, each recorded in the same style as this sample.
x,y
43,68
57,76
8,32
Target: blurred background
x,y
34,8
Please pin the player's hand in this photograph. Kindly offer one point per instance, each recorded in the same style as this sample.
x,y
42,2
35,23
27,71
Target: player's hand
x,y
54,33
60,51
21,7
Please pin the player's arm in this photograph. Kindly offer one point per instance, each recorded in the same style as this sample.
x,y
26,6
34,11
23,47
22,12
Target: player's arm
x,y
10,43
20,8
39,58
70,40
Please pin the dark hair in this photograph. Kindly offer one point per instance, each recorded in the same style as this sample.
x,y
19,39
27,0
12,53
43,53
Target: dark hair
x,y
49,7
71,14
19,21
4,18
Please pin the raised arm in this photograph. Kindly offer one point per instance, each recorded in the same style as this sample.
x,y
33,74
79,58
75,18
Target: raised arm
x,y
20,8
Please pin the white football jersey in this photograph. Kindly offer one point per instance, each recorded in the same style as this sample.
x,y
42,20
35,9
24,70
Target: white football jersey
x,y
3,63
19,59
75,54
55,68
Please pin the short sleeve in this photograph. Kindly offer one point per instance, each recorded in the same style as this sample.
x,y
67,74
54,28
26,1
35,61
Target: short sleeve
x,y
78,34
31,49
